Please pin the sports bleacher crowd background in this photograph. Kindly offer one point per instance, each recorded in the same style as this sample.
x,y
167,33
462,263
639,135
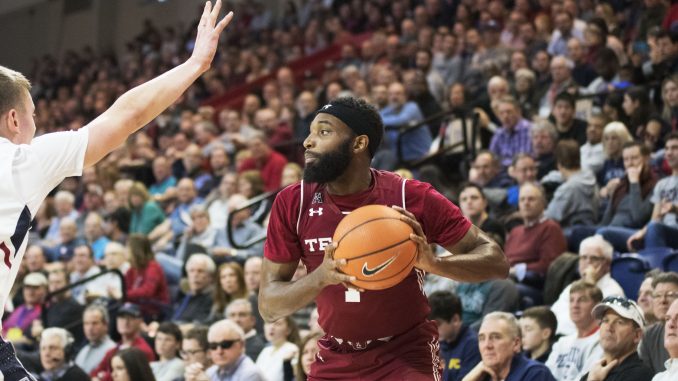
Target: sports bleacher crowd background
x,y
553,124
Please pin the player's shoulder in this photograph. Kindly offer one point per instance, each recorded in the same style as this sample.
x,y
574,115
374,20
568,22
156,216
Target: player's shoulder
x,y
290,193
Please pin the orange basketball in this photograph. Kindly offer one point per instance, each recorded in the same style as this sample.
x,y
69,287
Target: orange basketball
x,y
376,245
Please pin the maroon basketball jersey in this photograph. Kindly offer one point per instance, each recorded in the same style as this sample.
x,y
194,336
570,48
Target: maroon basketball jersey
x,y
303,221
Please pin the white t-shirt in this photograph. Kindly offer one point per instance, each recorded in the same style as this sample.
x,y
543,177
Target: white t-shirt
x,y
561,308
270,360
571,357
671,372
28,173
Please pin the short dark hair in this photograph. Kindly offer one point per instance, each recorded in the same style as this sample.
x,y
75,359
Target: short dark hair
x,y
465,186
564,96
88,247
644,149
444,305
671,136
544,317
169,328
199,334
567,154
666,277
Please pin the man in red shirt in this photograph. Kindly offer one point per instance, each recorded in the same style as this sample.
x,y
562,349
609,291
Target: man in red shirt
x,y
370,334
128,323
266,160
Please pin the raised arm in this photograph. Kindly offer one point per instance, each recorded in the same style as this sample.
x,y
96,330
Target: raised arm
x,y
140,105
279,297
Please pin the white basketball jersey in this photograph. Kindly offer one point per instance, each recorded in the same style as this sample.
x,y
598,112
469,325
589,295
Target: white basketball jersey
x,y
27,174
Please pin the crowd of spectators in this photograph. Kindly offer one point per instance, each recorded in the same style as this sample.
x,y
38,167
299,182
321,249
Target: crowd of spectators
x,y
553,124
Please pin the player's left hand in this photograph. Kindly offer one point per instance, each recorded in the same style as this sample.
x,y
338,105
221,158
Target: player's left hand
x,y
209,30
426,258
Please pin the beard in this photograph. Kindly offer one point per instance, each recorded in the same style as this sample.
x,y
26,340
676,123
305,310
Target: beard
x,y
329,166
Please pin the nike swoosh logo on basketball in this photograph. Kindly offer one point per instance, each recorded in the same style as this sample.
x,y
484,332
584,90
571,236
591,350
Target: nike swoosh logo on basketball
x,y
370,272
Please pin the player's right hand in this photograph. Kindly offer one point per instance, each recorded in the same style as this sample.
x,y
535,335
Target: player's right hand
x,y
207,39
328,271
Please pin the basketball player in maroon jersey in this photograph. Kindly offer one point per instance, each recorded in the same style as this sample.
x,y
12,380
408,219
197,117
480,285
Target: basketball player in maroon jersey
x,y
370,335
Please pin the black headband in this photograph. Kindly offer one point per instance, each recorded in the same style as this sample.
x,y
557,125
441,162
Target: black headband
x,y
356,119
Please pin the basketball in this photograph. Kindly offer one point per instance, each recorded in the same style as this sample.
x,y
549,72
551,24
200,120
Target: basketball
x,y
376,245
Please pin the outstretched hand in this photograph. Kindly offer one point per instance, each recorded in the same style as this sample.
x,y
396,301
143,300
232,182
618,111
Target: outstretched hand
x,y
209,30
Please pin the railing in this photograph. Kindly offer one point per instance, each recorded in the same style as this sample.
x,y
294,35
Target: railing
x,y
71,286
251,202
89,279
468,146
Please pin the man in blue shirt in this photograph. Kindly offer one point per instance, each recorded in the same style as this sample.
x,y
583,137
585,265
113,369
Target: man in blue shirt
x,y
499,342
458,343
226,343
514,135
400,113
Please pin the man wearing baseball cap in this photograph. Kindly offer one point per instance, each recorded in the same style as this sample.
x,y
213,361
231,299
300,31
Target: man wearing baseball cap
x,y
621,328
128,322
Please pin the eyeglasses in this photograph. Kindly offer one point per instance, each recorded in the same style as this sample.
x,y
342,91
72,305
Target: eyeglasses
x,y
669,295
223,344
591,258
185,354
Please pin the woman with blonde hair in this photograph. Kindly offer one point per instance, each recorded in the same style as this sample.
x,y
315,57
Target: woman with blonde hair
x,y
615,135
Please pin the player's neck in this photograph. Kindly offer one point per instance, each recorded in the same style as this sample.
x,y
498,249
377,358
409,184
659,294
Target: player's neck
x,y
351,181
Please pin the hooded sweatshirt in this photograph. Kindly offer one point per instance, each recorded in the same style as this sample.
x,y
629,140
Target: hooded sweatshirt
x,y
575,201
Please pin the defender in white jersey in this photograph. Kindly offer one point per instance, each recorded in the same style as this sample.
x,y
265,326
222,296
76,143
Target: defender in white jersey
x,y
30,169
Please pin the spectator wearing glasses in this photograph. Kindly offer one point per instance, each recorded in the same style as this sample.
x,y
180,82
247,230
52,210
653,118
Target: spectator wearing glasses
x,y
595,258
226,343
670,344
651,349
194,349
621,328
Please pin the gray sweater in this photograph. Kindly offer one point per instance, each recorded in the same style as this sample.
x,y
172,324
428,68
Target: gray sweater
x,y
651,349
632,212
575,202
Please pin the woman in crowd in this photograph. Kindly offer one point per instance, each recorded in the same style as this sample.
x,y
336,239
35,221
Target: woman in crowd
x,y
637,108
231,286
146,213
283,336
131,364
145,280
615,135
306,357
250,185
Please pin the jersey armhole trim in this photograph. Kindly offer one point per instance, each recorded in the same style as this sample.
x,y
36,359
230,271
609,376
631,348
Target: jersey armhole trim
x,y
403,194
301,205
